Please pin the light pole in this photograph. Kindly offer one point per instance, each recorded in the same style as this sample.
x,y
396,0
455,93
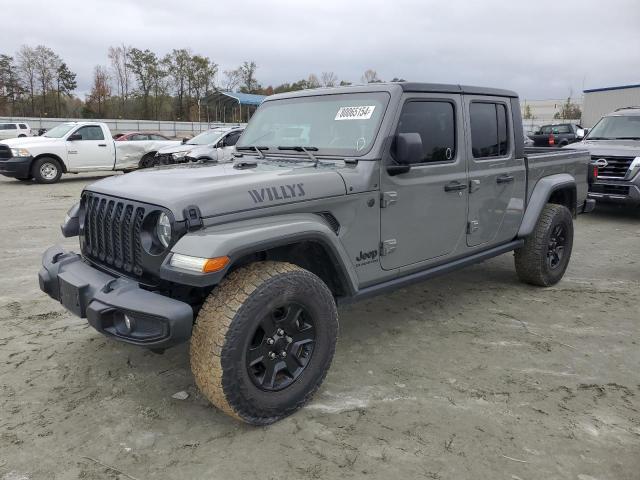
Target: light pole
x,y
199,123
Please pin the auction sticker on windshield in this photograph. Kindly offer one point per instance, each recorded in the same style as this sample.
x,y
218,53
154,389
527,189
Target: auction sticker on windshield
x,y
355,113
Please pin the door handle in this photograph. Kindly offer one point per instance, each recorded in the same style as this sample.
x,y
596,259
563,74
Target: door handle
x,y
454,186
102,144
505,179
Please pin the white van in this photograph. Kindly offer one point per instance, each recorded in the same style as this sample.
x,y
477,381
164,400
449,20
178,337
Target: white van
x,y
14,130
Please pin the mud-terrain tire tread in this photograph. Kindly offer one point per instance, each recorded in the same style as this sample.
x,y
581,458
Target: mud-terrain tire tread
x,y
530,258
217,323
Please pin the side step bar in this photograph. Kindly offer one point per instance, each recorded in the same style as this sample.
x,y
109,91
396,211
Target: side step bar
x,y
432,272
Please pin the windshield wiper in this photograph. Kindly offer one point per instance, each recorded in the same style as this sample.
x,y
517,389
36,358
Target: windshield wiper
x,y
306,150
598,138
253,148
627,138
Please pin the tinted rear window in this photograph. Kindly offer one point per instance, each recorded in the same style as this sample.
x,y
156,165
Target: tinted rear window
x,y
489,129
8,126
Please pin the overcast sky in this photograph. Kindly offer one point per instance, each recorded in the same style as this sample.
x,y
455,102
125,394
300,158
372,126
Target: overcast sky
x,y
540,48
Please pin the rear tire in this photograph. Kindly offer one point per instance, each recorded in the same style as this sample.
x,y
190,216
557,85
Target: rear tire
x,y
264,340
546,252
46,170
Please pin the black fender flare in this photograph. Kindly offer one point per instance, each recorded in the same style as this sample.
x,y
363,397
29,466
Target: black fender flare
x,y
540,197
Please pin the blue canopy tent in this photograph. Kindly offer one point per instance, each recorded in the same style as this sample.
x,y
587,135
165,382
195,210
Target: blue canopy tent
x,y
231,107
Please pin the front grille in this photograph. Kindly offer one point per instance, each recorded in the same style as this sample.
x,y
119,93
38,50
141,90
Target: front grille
x,y
5,152
112,232
616,166
610,189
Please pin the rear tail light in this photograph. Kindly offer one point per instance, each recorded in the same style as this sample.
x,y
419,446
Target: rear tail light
x,y
552,139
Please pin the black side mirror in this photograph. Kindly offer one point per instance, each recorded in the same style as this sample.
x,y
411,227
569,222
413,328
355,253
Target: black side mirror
x,y
184,140
75,136
408,151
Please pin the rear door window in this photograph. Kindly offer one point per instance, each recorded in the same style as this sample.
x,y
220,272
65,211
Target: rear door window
x,y
489,129
8,126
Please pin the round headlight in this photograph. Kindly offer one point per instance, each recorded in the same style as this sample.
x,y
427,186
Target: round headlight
x,y
163,229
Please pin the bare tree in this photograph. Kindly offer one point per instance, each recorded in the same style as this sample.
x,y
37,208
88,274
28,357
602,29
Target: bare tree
x,y
27,66
232,79
119,58
101,90
329,79
312,81
370,76
47,63
247,72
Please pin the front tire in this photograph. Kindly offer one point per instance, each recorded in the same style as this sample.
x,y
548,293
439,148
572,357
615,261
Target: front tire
x,y
546,252
46,170
147,160
264,340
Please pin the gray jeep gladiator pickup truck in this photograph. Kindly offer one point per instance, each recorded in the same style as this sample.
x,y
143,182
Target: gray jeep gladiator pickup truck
x,y
334,195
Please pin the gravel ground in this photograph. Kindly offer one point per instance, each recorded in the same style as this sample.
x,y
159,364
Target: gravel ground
x,y
472,375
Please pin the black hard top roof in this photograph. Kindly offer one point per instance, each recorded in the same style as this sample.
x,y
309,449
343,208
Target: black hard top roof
x,y
451,88
405,86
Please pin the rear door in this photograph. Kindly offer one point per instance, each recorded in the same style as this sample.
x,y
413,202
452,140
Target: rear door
x,y
93,152
496,177
424,210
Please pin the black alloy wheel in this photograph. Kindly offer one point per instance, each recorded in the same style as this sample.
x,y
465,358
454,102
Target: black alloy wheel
x,y
557,245
281,347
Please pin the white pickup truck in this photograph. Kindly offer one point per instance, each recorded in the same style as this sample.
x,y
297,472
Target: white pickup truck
x,y
73,147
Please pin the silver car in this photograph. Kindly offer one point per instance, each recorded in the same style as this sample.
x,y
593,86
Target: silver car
x,y
216,144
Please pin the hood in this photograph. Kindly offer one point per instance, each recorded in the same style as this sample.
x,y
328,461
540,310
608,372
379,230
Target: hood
x,y
609,148
25,142
199,150
218,189
180,147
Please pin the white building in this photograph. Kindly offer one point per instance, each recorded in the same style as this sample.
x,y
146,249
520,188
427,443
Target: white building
x,y
600,101
542,112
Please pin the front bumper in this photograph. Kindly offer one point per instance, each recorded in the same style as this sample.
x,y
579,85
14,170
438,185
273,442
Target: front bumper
x,y
616,191
155,321
16,167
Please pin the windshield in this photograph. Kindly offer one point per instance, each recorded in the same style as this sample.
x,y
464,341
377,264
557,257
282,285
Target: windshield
x,y
616,127
59,131
339,124
206,138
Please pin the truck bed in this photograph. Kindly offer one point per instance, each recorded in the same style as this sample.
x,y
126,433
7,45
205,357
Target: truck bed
x,y
542,162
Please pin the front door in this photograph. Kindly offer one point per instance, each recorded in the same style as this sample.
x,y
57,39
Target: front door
x,y
497,179
93,152
424,211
